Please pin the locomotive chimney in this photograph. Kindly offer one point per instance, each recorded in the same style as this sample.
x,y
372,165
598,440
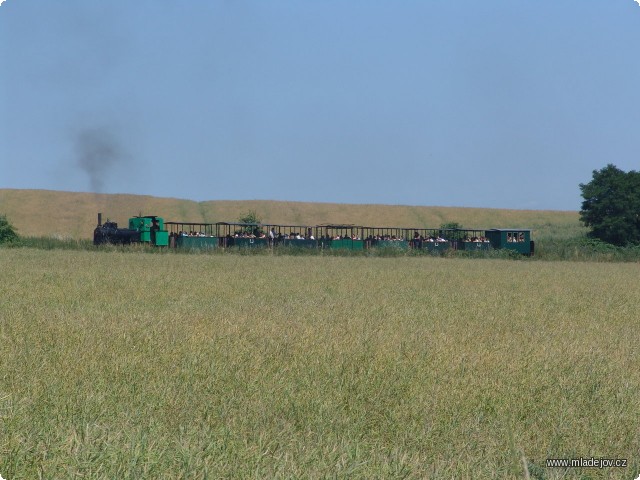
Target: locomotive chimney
x,y
99,219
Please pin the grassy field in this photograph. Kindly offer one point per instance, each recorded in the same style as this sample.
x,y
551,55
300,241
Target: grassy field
x,y
132,365
73,215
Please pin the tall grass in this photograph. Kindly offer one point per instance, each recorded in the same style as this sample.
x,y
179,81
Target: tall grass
x,y
585,249
141,366
578,248
54,243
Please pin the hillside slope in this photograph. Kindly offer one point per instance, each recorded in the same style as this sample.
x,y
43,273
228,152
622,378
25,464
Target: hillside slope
x,y
72,214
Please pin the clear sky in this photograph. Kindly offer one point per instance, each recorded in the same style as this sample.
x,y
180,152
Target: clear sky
x,y
495,103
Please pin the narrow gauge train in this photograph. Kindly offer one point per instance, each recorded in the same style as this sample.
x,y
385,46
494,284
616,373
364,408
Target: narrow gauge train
x,y
154,230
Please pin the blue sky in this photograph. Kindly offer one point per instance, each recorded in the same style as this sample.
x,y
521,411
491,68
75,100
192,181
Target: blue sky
x,y
503,104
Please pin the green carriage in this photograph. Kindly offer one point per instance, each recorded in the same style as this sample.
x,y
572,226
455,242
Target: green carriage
x,y
515,239
341,237
295,236
385,237
469,240
193,236
243,235
429,239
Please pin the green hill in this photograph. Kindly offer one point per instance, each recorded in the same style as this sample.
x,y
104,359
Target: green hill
x,y
72,214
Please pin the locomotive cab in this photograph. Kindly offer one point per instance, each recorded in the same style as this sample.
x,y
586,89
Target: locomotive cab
x,y
151,229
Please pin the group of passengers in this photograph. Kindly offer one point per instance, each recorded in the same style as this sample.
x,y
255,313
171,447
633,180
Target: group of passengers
x,y
183,233
515,237
192,233
292,236
255,234
343,237
418,240
279,236
385,238
428,238
476,239
273,235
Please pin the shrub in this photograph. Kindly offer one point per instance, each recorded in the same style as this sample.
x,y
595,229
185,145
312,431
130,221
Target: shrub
x,y
7,231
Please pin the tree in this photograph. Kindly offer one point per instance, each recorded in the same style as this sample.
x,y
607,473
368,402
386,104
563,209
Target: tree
x,y
611,206
7,232
451,226
451,230
251,217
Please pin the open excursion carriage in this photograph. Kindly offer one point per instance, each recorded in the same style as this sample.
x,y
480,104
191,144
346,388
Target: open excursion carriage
x,y
154,230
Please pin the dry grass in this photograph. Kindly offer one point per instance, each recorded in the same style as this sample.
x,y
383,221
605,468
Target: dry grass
x,y
131,365
70,214
41,213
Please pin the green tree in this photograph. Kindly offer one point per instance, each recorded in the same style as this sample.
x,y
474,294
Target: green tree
x,y
451,226
611,206
7,232
251,217
449,230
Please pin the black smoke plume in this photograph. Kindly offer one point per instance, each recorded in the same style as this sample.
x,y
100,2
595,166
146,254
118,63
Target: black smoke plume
x,y
98,151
